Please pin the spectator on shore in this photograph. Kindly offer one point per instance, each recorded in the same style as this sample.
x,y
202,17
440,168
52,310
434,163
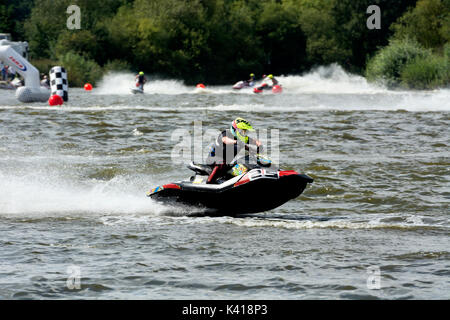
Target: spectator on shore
x,y
3,70
45,82
12,73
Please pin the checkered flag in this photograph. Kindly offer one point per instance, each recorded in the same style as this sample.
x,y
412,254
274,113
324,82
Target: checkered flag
x,y
59,83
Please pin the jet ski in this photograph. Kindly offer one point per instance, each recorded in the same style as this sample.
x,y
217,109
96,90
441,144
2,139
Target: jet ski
x,y
243,84
137,90
275,89
7,86
253,184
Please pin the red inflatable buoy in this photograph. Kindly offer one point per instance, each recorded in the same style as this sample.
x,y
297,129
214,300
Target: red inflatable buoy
x,y
88,87
55,100
201,85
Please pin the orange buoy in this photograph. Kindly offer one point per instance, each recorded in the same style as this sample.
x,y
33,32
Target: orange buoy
x,y
88,87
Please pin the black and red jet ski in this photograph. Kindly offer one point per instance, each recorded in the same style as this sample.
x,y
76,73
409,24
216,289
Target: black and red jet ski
x,y
259,187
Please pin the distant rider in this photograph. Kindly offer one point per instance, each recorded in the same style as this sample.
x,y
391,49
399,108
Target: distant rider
x,y
227,145
140,80
274,81
268,82
251,81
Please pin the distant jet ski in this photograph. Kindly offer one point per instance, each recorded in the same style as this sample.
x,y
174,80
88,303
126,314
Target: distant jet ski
x,y
243,84
265,87
7,86
253,184
136,90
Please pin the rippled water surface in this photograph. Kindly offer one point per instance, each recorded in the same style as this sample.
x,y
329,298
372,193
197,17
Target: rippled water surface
x,y
73,183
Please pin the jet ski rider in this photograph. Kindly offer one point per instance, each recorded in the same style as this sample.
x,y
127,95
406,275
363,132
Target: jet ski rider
x,y
227,146
266,81
251,81
140,80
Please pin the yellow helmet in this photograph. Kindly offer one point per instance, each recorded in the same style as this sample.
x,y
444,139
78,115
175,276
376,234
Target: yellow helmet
x,y
239,129
270,76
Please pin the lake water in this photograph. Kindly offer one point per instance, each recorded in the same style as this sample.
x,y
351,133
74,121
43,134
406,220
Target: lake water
x,y
75,222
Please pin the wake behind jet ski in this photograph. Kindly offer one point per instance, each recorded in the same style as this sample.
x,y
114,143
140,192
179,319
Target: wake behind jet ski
x,y
241,185
251,185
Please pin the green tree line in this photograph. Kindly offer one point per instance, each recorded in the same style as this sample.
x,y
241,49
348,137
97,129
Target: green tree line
x,y
418,54
222,41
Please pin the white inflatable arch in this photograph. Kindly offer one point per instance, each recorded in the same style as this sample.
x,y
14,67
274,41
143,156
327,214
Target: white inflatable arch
x,y
32,91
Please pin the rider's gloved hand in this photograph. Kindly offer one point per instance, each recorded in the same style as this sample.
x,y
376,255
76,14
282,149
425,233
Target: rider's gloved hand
x,y
251,147
260,149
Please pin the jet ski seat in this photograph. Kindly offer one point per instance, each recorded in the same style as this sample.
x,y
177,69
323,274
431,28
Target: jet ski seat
x,y
201,169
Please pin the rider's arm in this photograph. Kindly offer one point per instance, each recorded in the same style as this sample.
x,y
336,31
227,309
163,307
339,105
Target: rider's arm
x,y
227,140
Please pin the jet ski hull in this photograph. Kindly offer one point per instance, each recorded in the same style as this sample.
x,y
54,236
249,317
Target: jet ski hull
x,y
242,84
275,89
137,91
252,193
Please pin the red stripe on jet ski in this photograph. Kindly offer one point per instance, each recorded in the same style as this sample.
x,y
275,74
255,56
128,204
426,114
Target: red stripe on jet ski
x,y
171,186
243,180
286,173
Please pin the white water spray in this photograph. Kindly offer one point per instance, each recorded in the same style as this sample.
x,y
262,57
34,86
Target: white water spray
x,y
50,194
122,82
